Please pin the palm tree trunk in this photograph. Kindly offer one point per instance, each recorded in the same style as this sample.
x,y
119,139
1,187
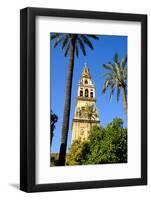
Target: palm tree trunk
x,y
51,138
66,115
124,99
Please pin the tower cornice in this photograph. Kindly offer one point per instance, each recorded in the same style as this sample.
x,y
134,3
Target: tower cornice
x,y
86,99
90,86
86,121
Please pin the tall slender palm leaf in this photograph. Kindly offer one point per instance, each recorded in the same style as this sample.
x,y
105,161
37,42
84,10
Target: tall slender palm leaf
x,y
116,79
70,43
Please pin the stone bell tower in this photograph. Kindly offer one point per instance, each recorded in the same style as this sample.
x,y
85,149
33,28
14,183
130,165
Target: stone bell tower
x,y
86,114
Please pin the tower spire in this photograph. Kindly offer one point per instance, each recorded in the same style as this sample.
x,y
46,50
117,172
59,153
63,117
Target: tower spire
x,y
86,73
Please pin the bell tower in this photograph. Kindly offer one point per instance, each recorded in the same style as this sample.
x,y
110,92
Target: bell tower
x,y
86,114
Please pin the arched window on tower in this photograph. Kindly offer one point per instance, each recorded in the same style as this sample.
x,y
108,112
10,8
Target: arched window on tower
x,y
86,93
91,94
86,82
81,93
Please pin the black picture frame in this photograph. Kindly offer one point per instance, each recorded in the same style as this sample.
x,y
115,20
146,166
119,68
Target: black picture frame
x,y
28,98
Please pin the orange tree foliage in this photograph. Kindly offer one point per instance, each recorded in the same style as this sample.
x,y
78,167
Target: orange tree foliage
x,y
104,145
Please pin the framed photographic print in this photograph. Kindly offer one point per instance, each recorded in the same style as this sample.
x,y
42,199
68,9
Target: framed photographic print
x,y
83,99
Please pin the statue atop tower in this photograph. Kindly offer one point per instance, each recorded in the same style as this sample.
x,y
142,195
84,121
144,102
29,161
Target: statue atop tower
x,y
86,114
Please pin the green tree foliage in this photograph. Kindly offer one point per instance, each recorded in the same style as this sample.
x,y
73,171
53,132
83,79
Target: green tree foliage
x,y
78,153
54,159
104,145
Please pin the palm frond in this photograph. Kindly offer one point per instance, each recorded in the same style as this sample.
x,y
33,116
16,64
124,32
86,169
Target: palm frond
x,y
124,62
87,41
81,46
65,41
58,40
106,84
116,58
77,51
67,49
125,73
54,35
118,71
118,93
93,36
116,77
106,74
112,91
109,67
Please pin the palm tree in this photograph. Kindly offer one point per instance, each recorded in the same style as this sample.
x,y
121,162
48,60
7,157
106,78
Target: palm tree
x,y
70,44
117,79
91,113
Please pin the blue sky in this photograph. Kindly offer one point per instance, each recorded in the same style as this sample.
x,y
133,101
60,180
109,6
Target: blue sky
x,y
104,50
